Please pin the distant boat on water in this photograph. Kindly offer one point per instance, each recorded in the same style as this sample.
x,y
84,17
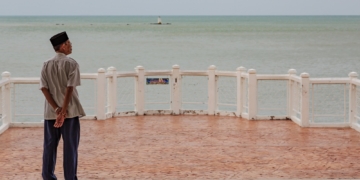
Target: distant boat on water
x,y
159,22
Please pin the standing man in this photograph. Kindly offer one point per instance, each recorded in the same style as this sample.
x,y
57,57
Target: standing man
x,y
59,77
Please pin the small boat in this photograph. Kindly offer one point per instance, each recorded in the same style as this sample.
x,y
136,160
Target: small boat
x,y
159,22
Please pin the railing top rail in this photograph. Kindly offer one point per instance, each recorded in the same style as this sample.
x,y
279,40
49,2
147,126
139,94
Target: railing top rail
x,y
36,80
356,82
127,74
329,80
295,78
193,73
4,82
245,75
158,73
272,76
226,73
22,80
88,75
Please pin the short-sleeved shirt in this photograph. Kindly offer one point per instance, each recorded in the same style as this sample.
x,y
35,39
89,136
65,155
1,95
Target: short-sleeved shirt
x,y
57,74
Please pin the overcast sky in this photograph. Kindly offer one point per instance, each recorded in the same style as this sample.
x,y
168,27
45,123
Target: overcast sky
x,y
179,7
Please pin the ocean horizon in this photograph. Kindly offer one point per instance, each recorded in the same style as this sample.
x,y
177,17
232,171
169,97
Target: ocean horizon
x,y
269,44
323,46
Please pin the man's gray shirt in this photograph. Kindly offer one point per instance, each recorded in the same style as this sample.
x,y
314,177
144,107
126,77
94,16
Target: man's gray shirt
x,y
57,74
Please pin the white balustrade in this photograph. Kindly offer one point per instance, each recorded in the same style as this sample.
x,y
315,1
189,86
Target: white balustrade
x,y
245,99
175,90
352,99
112,95
212,87
239,90
244,93
291,84
139,91
100,103
305,90
252,94
6,115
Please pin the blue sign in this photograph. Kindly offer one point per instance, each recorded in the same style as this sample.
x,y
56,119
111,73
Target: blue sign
x,y
155,81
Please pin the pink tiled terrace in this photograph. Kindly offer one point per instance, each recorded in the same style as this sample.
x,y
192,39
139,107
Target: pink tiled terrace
x,y
191,147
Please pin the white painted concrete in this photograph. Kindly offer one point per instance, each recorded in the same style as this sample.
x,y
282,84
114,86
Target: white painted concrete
x,y
108,80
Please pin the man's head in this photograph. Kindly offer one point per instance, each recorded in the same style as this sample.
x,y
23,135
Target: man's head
x,y
61,43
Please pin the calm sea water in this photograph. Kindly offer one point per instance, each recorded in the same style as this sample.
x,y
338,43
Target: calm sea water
x,y
323,46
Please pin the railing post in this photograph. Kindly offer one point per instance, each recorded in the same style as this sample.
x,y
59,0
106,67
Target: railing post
x,y
111,95
240,94
212,95
290,90
305,90
6,99
100,107
175,90
352,99
252,85
140,90
1,101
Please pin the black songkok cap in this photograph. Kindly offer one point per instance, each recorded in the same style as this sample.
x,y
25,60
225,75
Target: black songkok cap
x,y
58,39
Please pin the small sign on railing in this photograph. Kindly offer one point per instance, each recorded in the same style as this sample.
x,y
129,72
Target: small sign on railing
x,y
156,81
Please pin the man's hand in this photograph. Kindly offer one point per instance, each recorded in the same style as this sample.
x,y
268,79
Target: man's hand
x,y
61,114
58,110
60,118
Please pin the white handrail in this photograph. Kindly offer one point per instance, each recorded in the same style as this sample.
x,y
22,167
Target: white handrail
x,y
25,80
88,75
226,73
4,82
295,78
126,74
245,75
298,90
272,77
193,73
356,82
157,73
329,80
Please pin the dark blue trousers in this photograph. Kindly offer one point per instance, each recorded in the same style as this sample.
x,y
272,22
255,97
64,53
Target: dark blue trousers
x,y
70,132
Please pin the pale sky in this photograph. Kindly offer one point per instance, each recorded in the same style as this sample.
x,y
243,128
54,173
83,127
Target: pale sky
x,y
179,7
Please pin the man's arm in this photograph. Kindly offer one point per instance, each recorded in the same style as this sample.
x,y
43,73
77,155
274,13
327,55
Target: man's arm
x,y
63,111
68,94
53,104
49,98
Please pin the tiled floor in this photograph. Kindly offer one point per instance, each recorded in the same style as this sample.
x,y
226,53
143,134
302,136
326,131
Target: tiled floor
x,y
191,147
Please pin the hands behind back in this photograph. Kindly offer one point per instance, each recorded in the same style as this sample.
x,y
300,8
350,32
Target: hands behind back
x,y
61,115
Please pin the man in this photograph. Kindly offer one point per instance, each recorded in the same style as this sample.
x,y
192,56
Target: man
x,y
59,78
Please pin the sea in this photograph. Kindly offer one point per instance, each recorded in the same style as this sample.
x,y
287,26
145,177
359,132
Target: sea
x,y
323,46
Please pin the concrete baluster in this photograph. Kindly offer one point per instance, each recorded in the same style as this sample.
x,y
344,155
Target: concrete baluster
x,y
290,90
305,90
112,91
6,99
176,90
240,90
101,83
352,98
252,95
212,91
140,91
1,101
